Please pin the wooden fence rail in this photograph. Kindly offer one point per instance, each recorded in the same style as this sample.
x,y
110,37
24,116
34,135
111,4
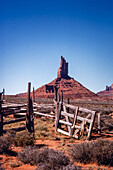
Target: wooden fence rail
x,y
8,109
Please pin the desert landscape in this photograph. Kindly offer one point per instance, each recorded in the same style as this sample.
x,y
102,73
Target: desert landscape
x,y
56,85
61,125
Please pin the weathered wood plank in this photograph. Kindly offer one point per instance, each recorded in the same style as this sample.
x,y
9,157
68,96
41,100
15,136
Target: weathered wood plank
x,y
63,132
13,112
15,129
67,114
99,122
86,110
13,106
14,120
70,106
65,123
67,120
82,119
91,126
80,108
74,121
43,114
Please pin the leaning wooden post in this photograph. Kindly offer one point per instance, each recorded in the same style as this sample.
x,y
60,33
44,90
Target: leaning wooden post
x,y
29,115
1,116
91,125
33,95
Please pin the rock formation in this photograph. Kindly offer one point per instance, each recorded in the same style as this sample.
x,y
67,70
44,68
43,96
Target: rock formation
x,y
107,92
108,88
63,69
70,87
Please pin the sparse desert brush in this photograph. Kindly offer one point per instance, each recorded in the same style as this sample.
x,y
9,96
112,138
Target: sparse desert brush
x,y
41,129
71,167
28,155
14,164
100,152
23,138
45,158
40,126
4,144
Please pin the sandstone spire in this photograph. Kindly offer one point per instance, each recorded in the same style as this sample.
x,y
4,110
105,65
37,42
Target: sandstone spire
x,y
63,69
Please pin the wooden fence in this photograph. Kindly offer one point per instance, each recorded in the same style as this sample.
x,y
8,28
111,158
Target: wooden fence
x,y
70,120
13,109
76,123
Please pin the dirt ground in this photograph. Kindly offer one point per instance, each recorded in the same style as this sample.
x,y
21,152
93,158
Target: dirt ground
x,y
53,140
9,162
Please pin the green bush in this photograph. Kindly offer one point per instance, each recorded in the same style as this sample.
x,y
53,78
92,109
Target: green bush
x,y
100,152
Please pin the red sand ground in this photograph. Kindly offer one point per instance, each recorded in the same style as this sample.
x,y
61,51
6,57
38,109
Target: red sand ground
x,y
8,160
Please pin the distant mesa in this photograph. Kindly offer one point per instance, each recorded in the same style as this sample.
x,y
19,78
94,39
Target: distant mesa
x,y
107,92
70,87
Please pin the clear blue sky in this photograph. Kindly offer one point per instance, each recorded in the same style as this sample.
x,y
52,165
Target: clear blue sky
x,y
35,33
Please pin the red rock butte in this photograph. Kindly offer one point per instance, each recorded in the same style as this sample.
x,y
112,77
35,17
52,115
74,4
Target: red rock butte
x,y
107,92
70,87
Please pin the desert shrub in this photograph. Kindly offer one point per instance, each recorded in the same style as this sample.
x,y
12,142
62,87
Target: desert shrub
x,y
14,164
100,152
23,138
48,167
49,158
70,167
4,144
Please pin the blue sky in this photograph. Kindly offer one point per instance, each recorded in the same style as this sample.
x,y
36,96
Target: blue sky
x,y
35,33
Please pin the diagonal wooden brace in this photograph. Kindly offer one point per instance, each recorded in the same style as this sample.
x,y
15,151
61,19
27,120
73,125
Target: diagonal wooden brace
x,y
74,121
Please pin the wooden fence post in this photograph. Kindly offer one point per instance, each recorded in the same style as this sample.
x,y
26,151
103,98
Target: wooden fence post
x,y
62,96
68,102
33,95
3,94
62,100
1,116
29,114
99,123
57,117
56,93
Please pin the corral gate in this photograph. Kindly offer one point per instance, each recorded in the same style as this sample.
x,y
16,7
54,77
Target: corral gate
x,y
74,121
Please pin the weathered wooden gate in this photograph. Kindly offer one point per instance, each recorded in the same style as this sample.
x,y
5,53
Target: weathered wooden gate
x,y
74,121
